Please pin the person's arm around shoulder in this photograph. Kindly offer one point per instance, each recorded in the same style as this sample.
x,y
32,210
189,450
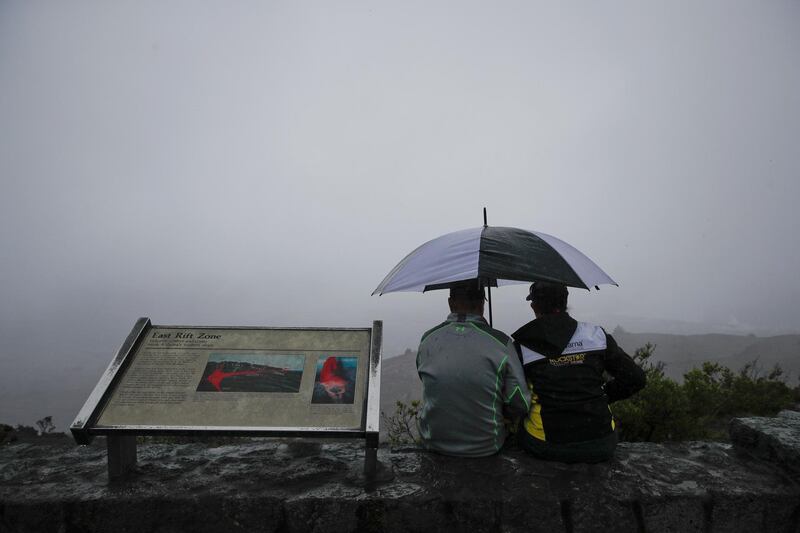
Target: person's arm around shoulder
x,y
516,396
629,378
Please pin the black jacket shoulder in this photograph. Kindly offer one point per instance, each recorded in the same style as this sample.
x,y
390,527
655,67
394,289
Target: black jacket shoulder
x,y
547,335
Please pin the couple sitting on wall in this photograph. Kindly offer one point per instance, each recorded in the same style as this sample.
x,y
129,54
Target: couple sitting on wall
x,y
551,374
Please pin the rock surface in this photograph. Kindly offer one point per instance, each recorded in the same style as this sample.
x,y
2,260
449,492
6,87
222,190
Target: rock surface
x,y
774,439
280,486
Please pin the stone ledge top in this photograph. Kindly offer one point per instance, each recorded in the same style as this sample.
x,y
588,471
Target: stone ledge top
x,y
681,486
292,466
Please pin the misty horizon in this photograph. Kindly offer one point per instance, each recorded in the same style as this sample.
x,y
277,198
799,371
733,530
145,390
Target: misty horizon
x,y
268,164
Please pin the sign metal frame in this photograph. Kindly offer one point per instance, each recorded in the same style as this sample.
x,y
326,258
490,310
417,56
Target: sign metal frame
x,y
121,439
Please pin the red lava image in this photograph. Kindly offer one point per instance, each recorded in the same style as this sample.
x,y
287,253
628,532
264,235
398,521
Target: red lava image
x,y
251,375
332,378
335,381
216,377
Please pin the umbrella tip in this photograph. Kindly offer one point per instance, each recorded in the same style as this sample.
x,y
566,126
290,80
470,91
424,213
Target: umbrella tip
x,y
484,217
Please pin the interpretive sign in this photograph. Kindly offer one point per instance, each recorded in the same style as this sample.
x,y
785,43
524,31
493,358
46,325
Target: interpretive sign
x,y
183,380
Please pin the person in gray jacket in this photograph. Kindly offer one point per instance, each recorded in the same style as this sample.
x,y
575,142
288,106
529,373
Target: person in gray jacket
x,y
471,379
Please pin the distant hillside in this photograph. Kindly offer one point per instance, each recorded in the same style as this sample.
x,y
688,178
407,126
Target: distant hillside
x,y
783,350
681,353
399,381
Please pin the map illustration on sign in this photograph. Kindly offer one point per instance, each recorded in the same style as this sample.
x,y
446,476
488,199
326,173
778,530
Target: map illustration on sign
x,y
335,380
227,372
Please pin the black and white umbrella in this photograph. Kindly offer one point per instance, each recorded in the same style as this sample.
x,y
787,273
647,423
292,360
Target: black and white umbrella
x,y
496,256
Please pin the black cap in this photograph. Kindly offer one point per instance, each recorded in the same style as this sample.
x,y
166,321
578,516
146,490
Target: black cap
x,y
540,289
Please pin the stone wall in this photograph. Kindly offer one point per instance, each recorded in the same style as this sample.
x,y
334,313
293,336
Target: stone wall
x,y
282,486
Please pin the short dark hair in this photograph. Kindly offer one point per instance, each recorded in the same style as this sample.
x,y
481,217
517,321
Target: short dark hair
x,y
470,291
548,296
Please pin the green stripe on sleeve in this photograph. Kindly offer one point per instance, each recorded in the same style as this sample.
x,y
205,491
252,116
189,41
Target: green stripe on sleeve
x,y
494,400
515,391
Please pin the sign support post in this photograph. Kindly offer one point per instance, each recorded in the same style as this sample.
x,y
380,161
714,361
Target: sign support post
x,y
373,415
121,455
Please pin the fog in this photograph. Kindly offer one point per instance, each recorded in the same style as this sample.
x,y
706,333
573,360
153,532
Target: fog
x,y
266,164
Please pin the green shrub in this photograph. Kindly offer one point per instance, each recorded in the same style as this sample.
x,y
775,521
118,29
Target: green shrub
x,y
402,426
7,434
702,406
659,411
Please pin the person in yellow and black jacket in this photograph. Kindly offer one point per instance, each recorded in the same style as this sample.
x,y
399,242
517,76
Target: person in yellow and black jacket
x,y
565,362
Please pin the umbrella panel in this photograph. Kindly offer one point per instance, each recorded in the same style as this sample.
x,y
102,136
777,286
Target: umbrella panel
x,y
499,255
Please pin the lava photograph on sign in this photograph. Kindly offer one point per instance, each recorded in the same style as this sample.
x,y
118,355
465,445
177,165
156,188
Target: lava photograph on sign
x,y
252,373
335,380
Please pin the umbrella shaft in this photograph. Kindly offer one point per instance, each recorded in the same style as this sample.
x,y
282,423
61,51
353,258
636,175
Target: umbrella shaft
x,y
490,304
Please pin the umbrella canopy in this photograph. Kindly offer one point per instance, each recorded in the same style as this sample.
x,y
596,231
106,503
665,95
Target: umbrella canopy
x,y
496,255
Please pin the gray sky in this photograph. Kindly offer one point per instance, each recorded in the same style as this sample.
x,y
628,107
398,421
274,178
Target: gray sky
x,y
264,163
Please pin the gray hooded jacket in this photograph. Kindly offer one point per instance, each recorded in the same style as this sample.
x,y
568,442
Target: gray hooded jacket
x,y
471,377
